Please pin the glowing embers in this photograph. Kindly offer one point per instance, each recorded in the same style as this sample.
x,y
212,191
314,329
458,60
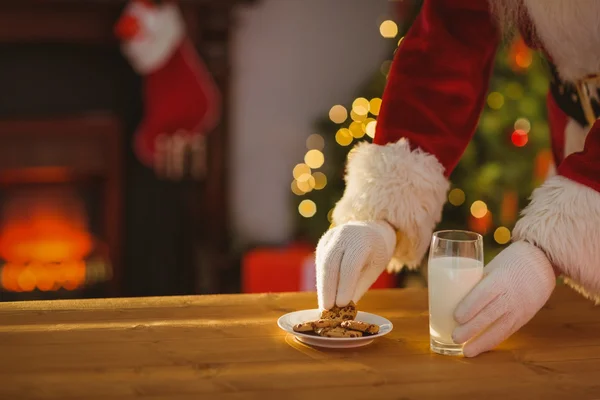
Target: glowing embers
x,y
45,242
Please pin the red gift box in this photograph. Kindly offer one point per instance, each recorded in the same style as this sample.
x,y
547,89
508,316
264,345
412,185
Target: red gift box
x,y
288,269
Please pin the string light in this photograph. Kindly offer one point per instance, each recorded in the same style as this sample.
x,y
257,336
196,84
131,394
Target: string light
x,y
314,159
351,153
495,100
523,124
456,197
375,105
300,170
358,117
370,129
519,138
295,189
357,129
502,235
320,180
524,59
338,114
479,209
388,29
307,208
330,215
306,183
315,141
361,106
343,137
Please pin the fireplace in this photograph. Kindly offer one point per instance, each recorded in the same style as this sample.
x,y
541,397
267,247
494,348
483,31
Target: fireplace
x,y
79,215
60,208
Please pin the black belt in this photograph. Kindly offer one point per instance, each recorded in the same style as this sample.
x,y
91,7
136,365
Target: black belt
x,y
568,97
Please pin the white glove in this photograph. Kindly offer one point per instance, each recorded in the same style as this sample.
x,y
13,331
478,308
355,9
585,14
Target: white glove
x,y
517,284
349,260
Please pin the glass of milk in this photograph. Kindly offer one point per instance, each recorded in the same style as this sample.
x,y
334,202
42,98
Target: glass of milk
x,y
454,268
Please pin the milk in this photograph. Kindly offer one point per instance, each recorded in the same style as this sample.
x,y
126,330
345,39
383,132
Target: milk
x,y
450,280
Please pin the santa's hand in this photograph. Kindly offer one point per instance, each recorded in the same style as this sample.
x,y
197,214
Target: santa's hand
x,y
517,284
350,258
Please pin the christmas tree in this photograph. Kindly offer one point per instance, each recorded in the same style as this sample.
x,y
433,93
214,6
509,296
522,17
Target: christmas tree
x,y
508,156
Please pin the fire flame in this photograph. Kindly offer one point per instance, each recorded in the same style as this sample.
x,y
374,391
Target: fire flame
x,y
44,240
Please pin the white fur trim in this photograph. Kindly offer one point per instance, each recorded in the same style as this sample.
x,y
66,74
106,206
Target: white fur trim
x,y
403,187
575,135
570,32
161,32
563,219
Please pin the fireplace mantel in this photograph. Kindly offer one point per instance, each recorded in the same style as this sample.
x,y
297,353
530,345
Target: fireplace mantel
x,y
82,34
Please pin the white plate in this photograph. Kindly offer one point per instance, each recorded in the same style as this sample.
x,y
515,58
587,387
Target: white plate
x,y
287,322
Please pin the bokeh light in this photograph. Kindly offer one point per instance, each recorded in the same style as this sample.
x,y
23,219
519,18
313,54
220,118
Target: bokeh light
x,y
479,209
338,114
314,159
307,208
502,235
388,29
456,197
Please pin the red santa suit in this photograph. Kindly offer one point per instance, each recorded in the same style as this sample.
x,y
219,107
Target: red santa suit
x,y
434,97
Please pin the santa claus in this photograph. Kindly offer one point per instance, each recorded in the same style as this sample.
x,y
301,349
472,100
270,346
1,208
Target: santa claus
x,y
397,186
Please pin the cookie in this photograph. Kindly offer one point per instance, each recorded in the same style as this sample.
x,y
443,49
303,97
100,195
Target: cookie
x,y
360,326
338,333
312,326
303,327
340,313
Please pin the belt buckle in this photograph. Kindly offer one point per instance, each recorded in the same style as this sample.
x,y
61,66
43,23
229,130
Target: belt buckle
x,y
586,98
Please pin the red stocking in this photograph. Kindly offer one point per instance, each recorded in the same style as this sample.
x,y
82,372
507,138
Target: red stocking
x,y
179,92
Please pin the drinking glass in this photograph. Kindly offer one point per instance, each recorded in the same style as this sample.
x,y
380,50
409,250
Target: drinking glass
x,y
455,266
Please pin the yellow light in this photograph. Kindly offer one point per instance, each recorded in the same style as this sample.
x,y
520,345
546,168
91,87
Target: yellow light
x,y
301,169
523,124
351,153
314,159
385,67
479,209
295,189
315,141
388,29
361,106
495,100
306,183
357,129
400,41
307,208
502,235
338,114
456,197
375,105
330,215
358,117
371,127
343,137
320,180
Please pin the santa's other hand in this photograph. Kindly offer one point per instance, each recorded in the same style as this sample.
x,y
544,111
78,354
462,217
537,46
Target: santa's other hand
x,y
516,285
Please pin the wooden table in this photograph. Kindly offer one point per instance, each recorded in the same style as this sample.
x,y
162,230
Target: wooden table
x,y
229,347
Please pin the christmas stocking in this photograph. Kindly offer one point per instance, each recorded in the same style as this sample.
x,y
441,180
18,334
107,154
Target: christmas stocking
x,y
180,95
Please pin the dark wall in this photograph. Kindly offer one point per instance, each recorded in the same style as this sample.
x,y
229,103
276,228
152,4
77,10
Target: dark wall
x,y
49,80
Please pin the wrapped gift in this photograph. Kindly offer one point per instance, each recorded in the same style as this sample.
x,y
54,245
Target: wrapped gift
x,y
288,269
